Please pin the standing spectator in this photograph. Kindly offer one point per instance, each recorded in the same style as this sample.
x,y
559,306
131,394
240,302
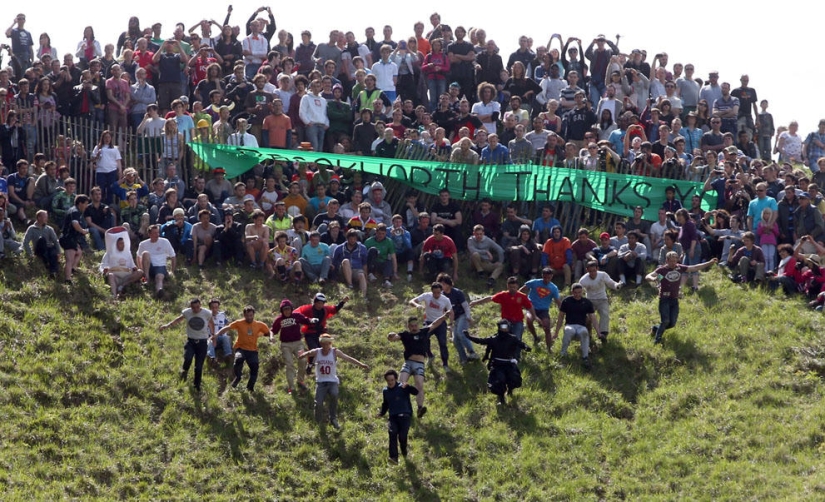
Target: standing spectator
x,y
313,114
168,60
22,44
255,47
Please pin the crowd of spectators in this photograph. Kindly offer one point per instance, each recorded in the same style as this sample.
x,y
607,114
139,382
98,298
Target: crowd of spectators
x,y
441,92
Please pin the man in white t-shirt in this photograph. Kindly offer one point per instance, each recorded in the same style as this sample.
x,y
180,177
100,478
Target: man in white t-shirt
x,y
152,254
435,304
595,283
487,110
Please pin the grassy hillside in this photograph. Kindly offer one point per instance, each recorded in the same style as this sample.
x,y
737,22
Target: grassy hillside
x,y
730,408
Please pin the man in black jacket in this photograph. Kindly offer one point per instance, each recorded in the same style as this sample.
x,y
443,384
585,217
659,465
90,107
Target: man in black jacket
x,y
504,373
397,402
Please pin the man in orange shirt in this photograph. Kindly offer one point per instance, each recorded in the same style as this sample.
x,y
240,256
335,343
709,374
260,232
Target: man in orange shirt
x,y
246,345
278,127
558,254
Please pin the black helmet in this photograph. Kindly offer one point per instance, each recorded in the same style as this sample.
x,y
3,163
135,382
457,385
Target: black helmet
x,y
504,325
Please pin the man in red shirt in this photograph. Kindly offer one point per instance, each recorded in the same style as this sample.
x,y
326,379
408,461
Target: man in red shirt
x,y
513,304
438,252
143,57
321,311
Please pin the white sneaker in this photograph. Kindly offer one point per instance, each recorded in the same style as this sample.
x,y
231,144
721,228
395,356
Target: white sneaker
x,y
387,284
372,277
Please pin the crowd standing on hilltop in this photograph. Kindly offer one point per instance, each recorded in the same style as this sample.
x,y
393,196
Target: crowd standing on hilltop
x,y
442,93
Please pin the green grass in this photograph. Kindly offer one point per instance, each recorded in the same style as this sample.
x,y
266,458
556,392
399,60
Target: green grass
x,y
730,408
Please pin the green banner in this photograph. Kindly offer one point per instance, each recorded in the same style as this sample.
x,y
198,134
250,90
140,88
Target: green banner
x,y
612,193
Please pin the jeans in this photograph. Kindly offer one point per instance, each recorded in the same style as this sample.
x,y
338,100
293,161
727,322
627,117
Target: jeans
x,y
315,272
315,135
97,236
597,90
195,349
398,428
224,342
436,89
576,331
668,315
47,253
322,390
462,345
440,334
517,329
251,359
375,265
105,181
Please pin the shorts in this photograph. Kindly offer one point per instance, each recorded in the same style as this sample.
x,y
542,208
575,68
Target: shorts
x,y
155,270
414,368
542,313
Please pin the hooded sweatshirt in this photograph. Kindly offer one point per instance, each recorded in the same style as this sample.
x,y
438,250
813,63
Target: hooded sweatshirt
x,y
556,252
288,328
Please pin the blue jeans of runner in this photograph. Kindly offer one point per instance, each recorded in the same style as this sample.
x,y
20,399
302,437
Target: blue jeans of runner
x,y
668,315
315,135
517,329
322,390
224,342
463,346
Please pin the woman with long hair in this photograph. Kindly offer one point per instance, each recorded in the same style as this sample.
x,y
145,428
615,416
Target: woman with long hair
x,y
45,100
606,124
212,82
46,47
229,49
133,32
703,115
108,164
88,48
519,85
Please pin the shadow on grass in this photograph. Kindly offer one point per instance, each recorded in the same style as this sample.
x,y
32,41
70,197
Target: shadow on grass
x,y
350,455
708,296
422,491
443,443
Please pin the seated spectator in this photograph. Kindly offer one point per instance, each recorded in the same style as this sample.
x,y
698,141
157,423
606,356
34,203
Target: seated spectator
x,y
228,244
40,240
606,255
117,266
581,247
488,218
202,204
511,226
557,254
203,235
641,227
402,241
21,189
543,225
218,188
439,254
748,262
787,275
350,260
152,255
363,223
381,256
256,240
99,218
8,237
63,200
283,260
671,243
134,217
524,254
620,238
46,186
316,259
632,258
486,256
178,232
164,213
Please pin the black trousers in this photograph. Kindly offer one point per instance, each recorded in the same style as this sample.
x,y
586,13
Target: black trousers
x,y
195,349
398,428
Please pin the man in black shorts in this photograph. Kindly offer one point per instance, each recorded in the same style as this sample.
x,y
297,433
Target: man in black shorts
x,y
416,344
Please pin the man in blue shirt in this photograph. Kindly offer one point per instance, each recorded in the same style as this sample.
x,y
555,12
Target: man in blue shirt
x,y
541,292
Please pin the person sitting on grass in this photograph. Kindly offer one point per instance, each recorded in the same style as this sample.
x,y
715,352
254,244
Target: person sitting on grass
x,y
118,266
152,255
256,239
283,260
381,256
44,239
350,260
748,262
